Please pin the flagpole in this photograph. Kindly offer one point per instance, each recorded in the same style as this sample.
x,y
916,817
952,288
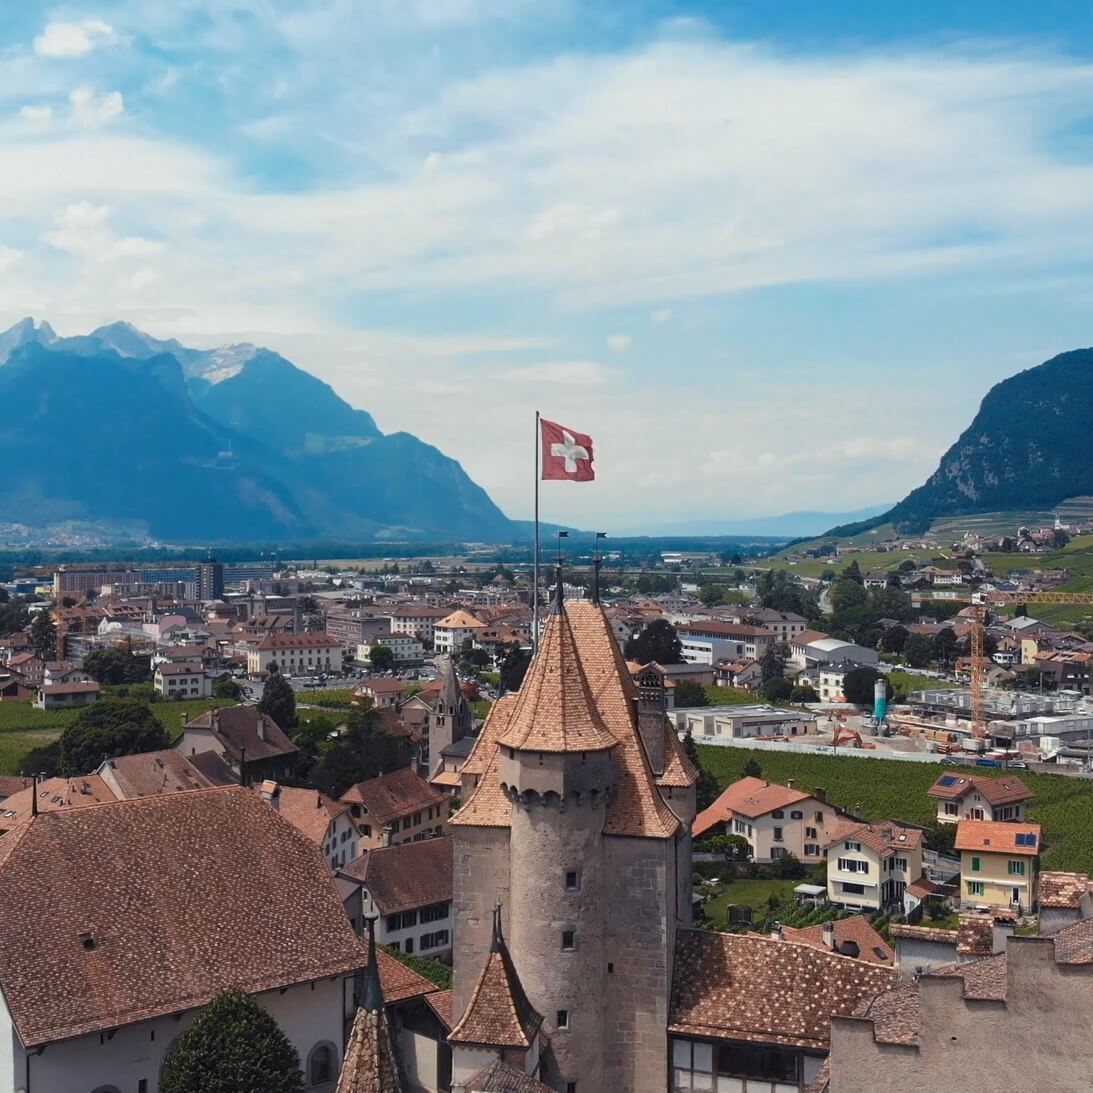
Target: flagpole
x,y
535,564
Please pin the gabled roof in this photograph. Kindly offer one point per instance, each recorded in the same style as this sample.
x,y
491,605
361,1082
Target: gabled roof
x,y
998,838
393,795
763,990
308,810
53,795
749,797
499,1013
154,772
1004,790
242,727
886,838
499,1077
849,934
400,878
297,641
233,897
1061,891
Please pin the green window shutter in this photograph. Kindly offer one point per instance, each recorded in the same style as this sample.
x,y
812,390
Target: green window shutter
x,y
975,865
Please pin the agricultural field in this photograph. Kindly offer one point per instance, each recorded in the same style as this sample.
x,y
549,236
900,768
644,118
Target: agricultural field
x,y
732,696
880,789
335,698
867,560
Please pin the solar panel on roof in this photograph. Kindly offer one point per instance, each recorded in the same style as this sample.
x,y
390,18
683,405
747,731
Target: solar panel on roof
x,y
947,780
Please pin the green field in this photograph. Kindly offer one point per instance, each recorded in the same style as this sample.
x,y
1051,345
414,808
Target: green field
x,y
748,893
732,696
335,698
906,682
880,789
867,560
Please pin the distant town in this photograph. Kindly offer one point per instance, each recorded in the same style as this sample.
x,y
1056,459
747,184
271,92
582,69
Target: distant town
x,y
706,814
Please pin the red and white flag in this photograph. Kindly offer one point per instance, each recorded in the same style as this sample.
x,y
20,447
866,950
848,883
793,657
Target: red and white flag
x,y
567,454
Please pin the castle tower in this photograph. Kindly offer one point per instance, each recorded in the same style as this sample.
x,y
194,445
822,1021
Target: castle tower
x,y
449,719
578,804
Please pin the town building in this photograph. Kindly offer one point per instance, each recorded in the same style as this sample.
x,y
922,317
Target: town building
x,y
384,692
784,625
417,620
252,744
835,651
440,715
409,887
63,696
579,802
742,722
775,820
851,936
405,649
998,864
241,901
353,628
152,773
182,679
869,866
394,808
962,796
295,654
709,642
450,632
210,579
325,822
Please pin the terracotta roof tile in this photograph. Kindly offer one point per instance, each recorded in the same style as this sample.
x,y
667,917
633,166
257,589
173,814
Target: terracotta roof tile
x,y
298,641
998,838
975,935
885,839
853,933
894,1013
399,878
1061,890
242,727
499,1077
394,795
462,620
749,797
1073,944
309,811
234,897
983,979
747,987
369,1065
440,1002
1003,790
679,771
155,772
53,795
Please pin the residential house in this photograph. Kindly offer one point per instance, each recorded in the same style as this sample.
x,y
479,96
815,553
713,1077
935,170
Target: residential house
x,y
851,936
1062,899
31,667
870,865
241,901
63,696
998,864
417,620
450,632
395,808
251,743
784,625
182,679
962,796
51,795
745,674
752,1013
295,654
406,649
410,887
64,671
775,820
384,692
152,773
326,822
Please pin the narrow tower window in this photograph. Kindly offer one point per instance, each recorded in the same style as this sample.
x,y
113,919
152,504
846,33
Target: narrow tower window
x,y
569,940
572,880
563,1019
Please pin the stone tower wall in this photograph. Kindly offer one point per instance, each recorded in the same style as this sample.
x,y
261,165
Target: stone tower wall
x,y
552,834
480,879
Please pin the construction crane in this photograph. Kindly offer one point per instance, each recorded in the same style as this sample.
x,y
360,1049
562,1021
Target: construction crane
x,y
982,602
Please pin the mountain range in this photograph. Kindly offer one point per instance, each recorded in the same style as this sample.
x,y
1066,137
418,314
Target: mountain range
x,y
789,525
1027,448
232,444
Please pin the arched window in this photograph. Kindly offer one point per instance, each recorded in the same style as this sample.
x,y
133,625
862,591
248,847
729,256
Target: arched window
x,y
322,1064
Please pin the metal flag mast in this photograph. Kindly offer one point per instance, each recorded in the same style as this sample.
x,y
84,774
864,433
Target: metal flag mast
x,y
535,563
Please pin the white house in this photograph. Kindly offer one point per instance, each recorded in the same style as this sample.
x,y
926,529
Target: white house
x,y
186,679
295,654
325,822
59,696
454,629
709,642
241,900
870,866
405,648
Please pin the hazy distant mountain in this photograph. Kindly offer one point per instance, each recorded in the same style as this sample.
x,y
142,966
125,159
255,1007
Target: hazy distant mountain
x,y
790,525
232,443
1027,448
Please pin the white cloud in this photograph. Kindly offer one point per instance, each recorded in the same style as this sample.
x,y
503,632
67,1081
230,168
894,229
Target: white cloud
x,y
68,40
36,115
83,230
571,373
90,109
660,315
619,343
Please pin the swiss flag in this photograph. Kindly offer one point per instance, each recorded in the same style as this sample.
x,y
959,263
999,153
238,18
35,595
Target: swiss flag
x,y
566,453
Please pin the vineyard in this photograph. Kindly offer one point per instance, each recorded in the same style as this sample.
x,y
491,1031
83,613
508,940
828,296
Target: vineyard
x,y
882,789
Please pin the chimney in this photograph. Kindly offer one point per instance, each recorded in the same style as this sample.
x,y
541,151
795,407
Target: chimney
x,y
318,800
829,935
261,726
820,794
270,792
651,718
34,796
791,782
776,931
389,835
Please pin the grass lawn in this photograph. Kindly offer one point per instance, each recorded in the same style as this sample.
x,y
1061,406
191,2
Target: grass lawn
x,y
732,696
15,745
22,716
907,682
749,893
336,698
878,789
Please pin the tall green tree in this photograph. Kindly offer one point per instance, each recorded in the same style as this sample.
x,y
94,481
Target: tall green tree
x,y
364,751
944,644
278,700
895,639
658,641
858,685
689,693
381,657
115,666
772,663
233,1046
513,666
43,636
919,651
111,727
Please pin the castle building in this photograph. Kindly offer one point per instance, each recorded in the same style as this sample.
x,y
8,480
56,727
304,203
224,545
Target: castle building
x,y
577,815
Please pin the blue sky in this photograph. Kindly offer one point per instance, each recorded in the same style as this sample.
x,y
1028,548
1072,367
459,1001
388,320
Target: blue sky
x,y
769,255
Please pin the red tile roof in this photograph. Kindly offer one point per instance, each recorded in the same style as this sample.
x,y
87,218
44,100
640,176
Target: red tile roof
x,y
850,934
997,838
1058,890
758,989
154,772
750,797
885,839
394,795
499,1077
309,811
298,641
1002,790
399,878
242,727
233,897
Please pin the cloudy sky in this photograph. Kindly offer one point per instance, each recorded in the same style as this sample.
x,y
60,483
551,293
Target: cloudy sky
x,y
769,255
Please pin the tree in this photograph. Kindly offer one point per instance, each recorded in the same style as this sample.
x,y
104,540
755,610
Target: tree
x,y
706,788
365,751
895,639
944,643
690,693
658,641
233,1046
853,572
109,728
776,689
919,651
751,769
114,666
43,636
226,687
1021,611
514,664
381,657
13,617
772,663
712,594
1061,538
846,593
858,685
45,760
278,700
804,693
